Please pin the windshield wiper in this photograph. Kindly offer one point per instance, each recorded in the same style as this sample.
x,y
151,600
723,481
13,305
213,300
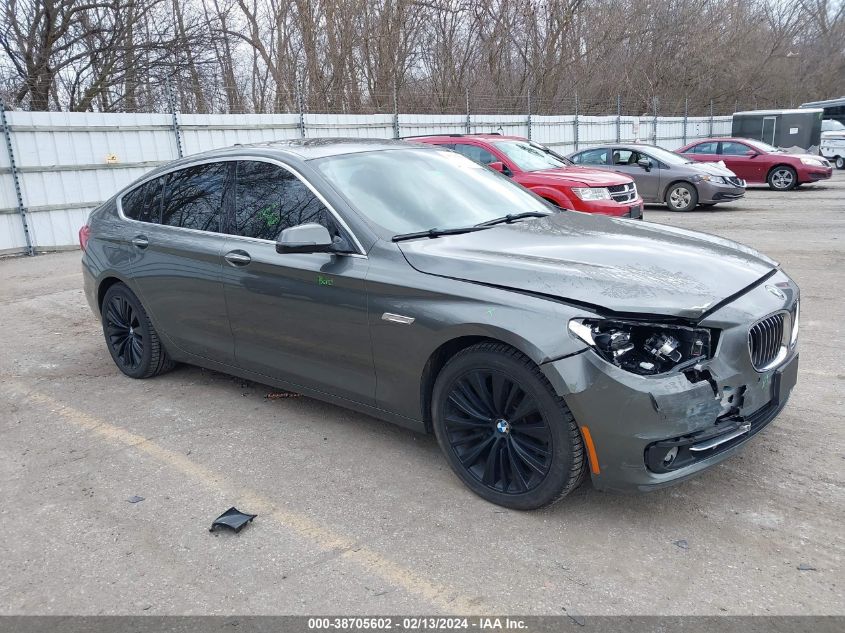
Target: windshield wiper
x,y
511,217
435,232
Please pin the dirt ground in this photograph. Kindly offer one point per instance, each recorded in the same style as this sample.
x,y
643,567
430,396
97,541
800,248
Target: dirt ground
x,y
358,516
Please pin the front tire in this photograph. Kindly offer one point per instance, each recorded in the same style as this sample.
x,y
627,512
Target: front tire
x,y
839,162
133,343
504,431
783,178
682,197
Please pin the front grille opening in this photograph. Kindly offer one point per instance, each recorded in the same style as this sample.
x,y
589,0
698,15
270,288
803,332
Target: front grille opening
x,y
766,338
623,193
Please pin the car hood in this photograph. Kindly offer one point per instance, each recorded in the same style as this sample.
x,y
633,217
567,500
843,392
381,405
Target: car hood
x,y
714,169
625,266
583,175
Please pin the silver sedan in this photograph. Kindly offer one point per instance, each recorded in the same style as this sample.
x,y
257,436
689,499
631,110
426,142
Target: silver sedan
x,y
666,177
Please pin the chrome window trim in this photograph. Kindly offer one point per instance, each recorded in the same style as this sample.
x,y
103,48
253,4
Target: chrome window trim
x,y
239,157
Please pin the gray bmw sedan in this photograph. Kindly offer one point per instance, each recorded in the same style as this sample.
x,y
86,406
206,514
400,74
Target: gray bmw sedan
x,y
666,177
410,283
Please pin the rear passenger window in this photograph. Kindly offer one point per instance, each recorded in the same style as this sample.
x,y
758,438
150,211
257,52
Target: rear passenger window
x,y
270,199
144,203
476,153
193,197
703,148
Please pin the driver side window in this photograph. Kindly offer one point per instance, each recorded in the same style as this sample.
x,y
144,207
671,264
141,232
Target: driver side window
x,y
270,199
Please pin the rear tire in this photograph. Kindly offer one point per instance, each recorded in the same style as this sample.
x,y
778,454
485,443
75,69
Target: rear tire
x,y
782,178
681,197
839,162
504,431
133,343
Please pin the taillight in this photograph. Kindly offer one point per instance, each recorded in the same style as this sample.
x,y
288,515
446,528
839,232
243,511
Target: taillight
x,y
84,234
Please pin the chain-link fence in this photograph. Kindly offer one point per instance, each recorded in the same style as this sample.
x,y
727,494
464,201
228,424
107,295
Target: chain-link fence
x,y
57,166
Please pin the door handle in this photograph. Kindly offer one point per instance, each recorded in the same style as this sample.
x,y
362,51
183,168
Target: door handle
x,y
237,258
140,241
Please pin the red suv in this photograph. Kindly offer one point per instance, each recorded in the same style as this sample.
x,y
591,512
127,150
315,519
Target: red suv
x,y
548,174
759,162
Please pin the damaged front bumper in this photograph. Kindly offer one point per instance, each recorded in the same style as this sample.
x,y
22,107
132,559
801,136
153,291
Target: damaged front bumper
x,y
653,431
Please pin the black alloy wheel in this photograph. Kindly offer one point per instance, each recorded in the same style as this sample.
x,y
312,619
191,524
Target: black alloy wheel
x,y
497,432
504,431
124,332
133,343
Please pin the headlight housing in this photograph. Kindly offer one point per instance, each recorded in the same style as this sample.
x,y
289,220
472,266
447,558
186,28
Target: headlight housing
x,y
592,193
815,162
643,348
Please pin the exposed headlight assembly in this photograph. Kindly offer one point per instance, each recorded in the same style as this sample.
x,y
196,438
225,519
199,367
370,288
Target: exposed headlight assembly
x,y
812,161
643,348
592,193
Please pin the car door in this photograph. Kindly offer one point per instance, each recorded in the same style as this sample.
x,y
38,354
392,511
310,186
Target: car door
x,y
296,317
176,263
625,161
743,160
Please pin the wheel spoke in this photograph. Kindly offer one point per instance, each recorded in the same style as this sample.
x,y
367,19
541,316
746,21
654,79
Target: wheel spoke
x,y
528,459
471,456
467,424
490,475
465,404
478,384
471,438
539,431
526,407
516,471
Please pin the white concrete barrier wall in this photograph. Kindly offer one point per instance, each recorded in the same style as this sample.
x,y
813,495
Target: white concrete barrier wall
x,y
69,162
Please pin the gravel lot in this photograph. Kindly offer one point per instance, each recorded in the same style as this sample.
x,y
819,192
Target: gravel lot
x,y
358,516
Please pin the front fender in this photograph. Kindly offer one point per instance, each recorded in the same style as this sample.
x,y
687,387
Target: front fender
x,y
554,195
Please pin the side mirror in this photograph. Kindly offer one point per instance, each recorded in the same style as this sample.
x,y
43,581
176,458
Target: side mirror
x,y
645,163
751,153
498,166
305,238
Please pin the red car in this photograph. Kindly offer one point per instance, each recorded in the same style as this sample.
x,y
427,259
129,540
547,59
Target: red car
x,y
548,174
759,162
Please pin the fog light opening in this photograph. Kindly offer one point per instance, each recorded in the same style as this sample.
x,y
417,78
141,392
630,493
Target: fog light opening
x,y
670,456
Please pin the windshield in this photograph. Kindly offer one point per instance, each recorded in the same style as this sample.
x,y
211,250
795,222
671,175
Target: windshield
x,y
531,156
832,125
665,156
760,145
407,190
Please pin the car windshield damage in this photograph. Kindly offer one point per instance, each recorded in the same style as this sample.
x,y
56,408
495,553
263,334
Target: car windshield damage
x,y
408,191
531,156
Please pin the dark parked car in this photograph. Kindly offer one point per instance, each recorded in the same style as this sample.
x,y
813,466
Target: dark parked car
x,y
549,175
759,162
666,177
410,283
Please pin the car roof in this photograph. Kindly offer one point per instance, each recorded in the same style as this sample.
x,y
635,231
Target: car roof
x,y
491,136
306,148
620,146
